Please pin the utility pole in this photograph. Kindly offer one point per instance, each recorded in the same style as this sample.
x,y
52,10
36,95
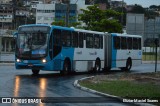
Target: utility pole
x,y
14,11
156,43
67,13
122,13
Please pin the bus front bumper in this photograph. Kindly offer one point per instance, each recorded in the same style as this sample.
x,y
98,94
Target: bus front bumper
x,y
29,66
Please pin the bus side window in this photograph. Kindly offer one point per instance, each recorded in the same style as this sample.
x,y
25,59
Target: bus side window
x,y
129,43
135,43
75,39
96,41
57,36
66,38
101,42
139,44
80,40
116,42
89,40
51,45
123,43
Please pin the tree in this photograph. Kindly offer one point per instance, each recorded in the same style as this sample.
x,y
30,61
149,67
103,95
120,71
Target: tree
x,y
122,18
102,1
100,20
138,9
62,23
153,7
151,14
59,23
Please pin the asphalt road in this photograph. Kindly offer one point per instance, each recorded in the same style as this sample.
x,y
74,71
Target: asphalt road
x,y
21,83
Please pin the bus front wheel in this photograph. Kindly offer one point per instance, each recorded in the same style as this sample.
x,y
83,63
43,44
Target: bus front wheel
x,y
35,71
66,67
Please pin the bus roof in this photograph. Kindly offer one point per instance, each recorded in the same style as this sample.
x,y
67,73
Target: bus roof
x,y
88,31
81,30
34,25
125,35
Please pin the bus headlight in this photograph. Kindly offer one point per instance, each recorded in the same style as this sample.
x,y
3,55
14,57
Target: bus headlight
x,y
18,60
44,60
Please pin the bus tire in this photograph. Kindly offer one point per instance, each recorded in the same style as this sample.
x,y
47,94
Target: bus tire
x,y
66,67
35,71
107,69
97,66
128,64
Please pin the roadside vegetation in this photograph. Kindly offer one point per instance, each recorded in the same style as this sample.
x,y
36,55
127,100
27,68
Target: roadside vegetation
x,y
150,57
126,85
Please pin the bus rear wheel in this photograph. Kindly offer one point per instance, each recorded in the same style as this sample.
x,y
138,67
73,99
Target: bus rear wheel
x,y
35,71
97,66
128,64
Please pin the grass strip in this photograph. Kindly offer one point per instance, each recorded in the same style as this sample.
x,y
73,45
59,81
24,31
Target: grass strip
x,y
124,88
150,57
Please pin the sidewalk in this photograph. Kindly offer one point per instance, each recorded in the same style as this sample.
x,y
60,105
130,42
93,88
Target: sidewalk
x,y
150,62
8,57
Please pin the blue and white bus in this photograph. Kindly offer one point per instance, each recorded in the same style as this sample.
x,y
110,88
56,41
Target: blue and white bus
x,y
56,48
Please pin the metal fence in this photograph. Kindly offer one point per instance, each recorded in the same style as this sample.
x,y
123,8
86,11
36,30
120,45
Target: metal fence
x,y
149,53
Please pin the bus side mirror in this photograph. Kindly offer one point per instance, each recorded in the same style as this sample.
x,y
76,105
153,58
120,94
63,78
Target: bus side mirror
x,y
15,34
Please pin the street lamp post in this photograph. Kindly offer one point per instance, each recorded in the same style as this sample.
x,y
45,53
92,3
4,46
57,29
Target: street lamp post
x,y
156,43
1,34
67,13
122,13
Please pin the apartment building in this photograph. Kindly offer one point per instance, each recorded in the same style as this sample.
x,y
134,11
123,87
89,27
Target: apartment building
x,y
6,17
48,13
45,13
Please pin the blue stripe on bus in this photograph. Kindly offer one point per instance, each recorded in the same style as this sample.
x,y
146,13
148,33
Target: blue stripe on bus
x,y
114,52
67,52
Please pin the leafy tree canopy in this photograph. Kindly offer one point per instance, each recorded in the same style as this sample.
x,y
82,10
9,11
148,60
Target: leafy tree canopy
x,y
138,9
101,20
101,1
155,7
62,23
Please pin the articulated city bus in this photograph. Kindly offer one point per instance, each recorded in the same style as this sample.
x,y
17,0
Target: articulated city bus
x,y
56,48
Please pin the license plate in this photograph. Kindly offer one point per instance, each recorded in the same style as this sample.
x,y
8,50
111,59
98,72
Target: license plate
x,y
25,61
30,65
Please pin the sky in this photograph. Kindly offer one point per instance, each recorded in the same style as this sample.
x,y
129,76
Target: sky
x,y
144,3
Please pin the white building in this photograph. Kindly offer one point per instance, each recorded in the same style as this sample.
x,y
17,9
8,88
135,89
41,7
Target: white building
x,y
34,4
5,1
135,24
45,13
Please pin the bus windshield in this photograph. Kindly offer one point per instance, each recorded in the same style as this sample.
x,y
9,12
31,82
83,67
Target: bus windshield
x,y
32,44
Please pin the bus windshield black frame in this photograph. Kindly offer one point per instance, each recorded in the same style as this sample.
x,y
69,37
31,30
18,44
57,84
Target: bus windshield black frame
x,y
32,42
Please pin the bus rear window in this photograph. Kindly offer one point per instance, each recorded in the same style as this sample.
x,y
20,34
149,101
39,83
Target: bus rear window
x,y
139,44
66,38
89,40
123,43
57,36
135,43
129,43
75,39
96,41
80,41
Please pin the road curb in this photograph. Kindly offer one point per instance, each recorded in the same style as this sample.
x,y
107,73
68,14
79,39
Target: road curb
x,y
150,62
76,84
6,63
